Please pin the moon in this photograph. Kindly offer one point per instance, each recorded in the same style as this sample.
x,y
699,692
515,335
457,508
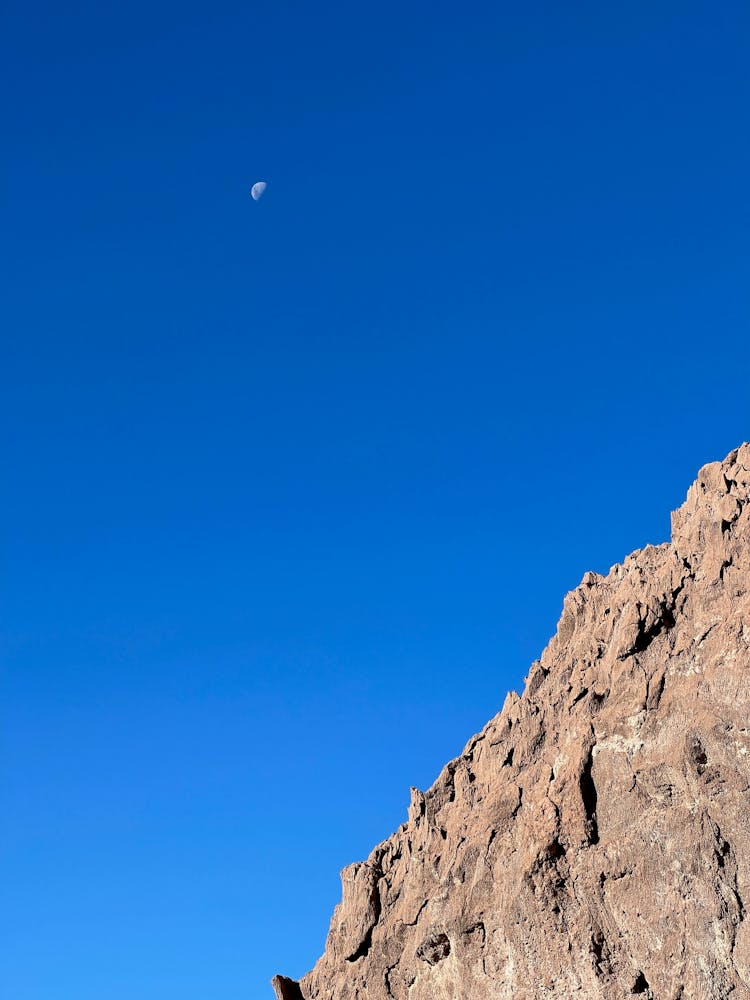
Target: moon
x,y
257,189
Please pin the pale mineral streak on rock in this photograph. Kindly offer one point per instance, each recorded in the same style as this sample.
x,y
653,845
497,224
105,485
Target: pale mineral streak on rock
x,y
593,840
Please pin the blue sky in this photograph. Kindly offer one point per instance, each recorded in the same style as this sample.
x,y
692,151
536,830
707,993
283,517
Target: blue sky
x,y
293,489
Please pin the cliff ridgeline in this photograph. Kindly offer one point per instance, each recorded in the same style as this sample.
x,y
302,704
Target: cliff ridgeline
x,y
593,840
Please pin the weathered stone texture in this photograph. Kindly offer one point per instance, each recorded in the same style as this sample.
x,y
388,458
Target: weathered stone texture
x,y
594,839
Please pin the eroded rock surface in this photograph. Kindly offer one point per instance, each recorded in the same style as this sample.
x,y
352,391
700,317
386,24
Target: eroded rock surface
x,y
594,839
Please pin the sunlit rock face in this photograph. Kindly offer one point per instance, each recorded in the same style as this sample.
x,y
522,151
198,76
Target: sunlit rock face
x,y
594,839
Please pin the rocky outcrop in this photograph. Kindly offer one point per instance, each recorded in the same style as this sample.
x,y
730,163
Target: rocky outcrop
x,y
594,839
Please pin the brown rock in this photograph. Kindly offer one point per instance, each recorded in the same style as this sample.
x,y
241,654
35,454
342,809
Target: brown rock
x,y
594,839
286,989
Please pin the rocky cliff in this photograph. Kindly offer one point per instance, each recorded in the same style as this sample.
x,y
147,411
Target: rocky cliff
x,y
594,839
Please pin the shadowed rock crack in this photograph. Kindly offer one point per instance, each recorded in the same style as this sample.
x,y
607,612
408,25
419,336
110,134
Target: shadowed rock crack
x,y
589,799
434,948
640,985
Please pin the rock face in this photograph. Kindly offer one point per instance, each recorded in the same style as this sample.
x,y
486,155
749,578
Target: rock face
x,y
594,839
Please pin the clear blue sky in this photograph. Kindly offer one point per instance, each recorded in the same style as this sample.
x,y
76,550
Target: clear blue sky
x,y
292,490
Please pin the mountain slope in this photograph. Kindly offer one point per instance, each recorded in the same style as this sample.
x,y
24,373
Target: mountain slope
x,y
594,839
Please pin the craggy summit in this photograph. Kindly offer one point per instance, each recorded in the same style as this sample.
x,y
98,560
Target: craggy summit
x,y
593,840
